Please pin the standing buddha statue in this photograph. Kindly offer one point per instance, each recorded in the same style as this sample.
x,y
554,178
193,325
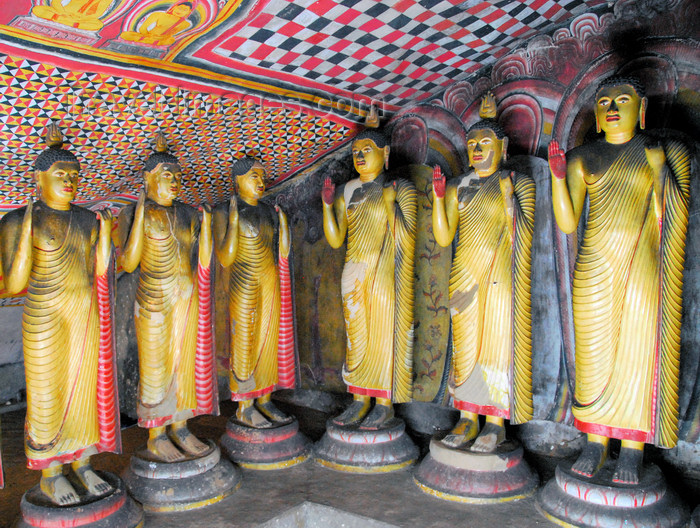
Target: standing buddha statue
x,y
377,285
490,212
628,278
61,254
162,236
261,346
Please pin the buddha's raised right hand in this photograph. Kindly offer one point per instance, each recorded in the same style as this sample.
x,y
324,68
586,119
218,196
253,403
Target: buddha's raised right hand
x,y
132,240
140,210
328,191
557,160
26,232
233,211
439,182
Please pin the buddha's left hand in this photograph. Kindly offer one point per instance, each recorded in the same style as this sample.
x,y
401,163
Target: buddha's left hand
x,y
284,235
104,240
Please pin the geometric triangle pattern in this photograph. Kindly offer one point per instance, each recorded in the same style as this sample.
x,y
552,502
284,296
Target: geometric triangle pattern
x,y
110,123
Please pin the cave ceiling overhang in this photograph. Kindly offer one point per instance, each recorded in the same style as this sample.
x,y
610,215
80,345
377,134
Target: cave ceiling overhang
x,y
328,56
297,77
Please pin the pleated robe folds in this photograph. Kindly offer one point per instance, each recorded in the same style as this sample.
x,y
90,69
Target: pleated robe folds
x,y
377,287
490,300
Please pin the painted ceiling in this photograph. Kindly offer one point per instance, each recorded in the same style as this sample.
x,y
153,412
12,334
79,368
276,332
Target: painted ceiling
x,y
285,81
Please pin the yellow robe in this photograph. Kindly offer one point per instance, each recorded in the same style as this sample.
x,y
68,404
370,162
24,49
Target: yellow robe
x,y
166,314
490,300
61,340
254,304
627,342
377,286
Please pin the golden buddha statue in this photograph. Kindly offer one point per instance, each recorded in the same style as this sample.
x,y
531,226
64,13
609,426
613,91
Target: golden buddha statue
x,y
244,234
491,212
627,284
162,236
61,253
377,285
78,14
160,28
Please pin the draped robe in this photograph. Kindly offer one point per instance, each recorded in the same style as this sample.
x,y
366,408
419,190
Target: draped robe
x,y
377,287
490,300
262,337
72,409
627,290
166,318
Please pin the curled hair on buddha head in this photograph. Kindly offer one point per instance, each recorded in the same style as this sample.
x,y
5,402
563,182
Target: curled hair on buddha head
x,y
490,124
376,136
619,80
160,155
242,165
55,152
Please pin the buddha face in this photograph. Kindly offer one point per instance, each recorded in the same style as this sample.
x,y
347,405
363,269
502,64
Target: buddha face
x,y
251,185
59,184
182,10
485,151
618,109
163,183
368,158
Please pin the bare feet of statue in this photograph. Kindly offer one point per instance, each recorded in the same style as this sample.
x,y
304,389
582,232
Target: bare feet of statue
x,y
89,480
354,413
465,431
269,410
591,459
490,437
379,415
163,449
251,417
628,465
57,488
186,441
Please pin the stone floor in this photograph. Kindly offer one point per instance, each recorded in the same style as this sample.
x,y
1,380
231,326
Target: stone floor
x,y
302,496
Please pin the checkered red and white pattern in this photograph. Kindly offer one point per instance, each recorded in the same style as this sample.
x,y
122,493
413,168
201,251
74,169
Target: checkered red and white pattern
x,y
400,51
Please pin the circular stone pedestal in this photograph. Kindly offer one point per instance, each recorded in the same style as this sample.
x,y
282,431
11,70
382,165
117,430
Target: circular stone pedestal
x,y
349,448
178,486
265,449
572,500
114,510
461,475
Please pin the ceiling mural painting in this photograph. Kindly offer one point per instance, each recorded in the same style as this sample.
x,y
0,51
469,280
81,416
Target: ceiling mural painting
x,y
327,55
110,123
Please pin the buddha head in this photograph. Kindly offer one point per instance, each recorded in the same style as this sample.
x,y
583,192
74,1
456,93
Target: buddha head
x,y
162,174
487,144
370,154
248,179
620,104
56,172
182,9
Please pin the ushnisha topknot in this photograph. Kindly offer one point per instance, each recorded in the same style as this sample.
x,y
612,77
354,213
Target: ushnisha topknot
x,y
160,155
242,165
619,80
490,124
55,152
376,136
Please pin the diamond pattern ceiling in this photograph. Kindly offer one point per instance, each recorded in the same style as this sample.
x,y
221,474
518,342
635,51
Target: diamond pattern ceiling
x,y
285,80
